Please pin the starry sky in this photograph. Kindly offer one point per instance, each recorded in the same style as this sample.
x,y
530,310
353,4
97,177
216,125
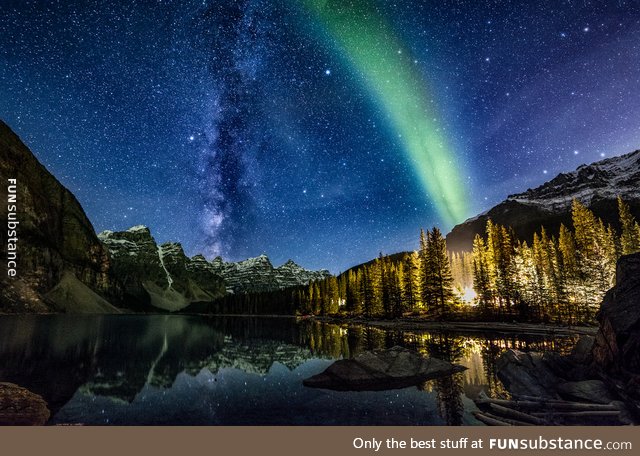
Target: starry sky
x,y
325,131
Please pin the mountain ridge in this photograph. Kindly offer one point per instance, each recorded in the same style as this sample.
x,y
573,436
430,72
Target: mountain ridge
x,y
596,185
155,268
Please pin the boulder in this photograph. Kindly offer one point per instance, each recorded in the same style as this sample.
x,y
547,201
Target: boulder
x,y
20,407
380,370
581,353
528,374
587,390
616,350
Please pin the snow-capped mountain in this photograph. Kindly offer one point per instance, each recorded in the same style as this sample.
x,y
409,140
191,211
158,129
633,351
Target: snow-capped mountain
x,y
163,276
160,275
258,274
596,185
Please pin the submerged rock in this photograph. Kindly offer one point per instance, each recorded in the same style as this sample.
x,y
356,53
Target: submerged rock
x,y
20,407
380,370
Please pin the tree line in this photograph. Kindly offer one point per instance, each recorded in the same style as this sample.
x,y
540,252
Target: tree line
x,y
560,277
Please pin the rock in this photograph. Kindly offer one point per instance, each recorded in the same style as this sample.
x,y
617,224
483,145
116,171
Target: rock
x,y
617,344
586,390
380,370
527,374
616,351
20,407
581,353
54,235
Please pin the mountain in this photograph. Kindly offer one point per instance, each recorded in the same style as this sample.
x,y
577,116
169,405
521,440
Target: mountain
x,y
61,265
159,275
60,262
596,185
164,277
258,274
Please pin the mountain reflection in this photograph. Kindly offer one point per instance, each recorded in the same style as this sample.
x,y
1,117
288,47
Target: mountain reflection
x,y
73,360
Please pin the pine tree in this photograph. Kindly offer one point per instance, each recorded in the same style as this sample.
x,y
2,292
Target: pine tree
x,y
411,287
569,271
630,237
400,306
385,286
481,278
316,299
426,290
500,249
372,290
595,251
527,279
439,279
331,301
353,300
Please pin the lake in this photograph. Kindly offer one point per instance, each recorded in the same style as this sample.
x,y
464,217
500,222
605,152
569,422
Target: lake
x,y
196,370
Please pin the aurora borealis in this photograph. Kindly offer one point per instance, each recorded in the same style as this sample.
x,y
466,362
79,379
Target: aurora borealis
x,y
325,131
387,71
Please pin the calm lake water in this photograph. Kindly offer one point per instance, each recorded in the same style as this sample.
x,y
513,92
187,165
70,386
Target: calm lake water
x,y
188,370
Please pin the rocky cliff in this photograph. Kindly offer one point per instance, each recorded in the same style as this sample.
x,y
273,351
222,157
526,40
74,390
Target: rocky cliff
x,y
596,185
159,275
616,350
57,248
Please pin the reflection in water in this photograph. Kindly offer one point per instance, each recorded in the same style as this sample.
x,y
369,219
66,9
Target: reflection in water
x,y
170,369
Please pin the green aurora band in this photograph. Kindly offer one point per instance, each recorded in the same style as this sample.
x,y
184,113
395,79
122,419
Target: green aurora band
x,y
391,77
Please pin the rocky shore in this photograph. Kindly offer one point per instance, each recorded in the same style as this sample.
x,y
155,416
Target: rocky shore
x,y
597,383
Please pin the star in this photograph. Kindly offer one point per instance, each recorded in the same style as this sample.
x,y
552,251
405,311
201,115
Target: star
x,y
232,114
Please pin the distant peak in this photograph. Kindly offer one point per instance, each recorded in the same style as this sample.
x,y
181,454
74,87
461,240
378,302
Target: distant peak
x,y
137,228
290,264
105,234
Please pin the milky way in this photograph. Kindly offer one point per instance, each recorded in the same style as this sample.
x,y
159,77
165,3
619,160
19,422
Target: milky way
x,y
323,131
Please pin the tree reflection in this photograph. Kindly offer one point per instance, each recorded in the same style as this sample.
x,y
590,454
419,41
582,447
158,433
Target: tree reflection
x,y
119,356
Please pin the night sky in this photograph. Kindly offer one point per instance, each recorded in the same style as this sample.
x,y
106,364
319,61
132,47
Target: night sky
x,y
325,131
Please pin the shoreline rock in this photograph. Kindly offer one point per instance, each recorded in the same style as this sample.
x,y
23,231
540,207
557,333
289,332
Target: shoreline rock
x,y
380,370
21,407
